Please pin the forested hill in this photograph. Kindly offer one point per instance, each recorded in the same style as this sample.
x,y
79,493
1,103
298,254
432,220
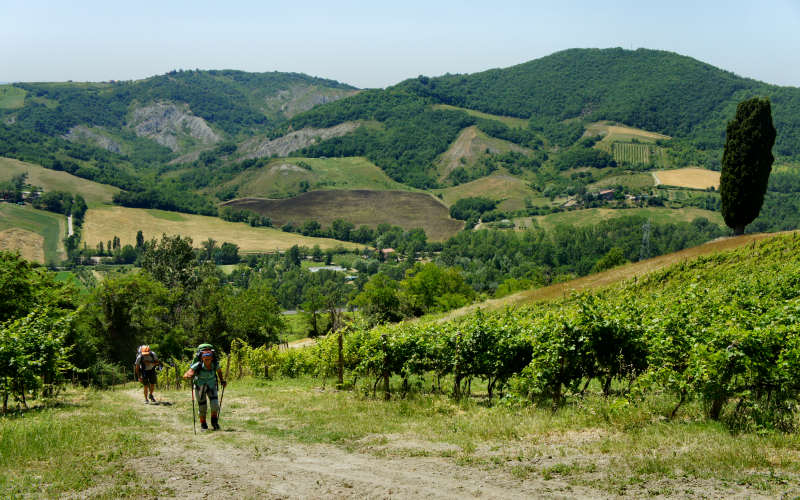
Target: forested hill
x,y
650,89
230,102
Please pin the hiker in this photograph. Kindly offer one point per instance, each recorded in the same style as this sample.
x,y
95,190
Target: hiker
x,y
145,369
205,372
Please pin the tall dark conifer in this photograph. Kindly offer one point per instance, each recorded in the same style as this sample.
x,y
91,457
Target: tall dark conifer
x,y
746,163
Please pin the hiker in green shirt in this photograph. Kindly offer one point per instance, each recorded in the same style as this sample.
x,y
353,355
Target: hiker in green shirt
x,y
204,373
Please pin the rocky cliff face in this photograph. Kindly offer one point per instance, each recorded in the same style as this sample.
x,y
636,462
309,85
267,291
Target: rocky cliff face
x,y
165,123
282,146
299,98
84,134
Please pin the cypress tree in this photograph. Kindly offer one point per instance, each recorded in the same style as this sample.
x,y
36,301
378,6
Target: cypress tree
x,y
746,163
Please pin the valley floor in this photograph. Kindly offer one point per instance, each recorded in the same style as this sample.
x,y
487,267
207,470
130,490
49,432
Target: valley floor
x,y
295,439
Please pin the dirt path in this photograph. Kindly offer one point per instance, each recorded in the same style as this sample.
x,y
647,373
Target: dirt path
x,y
236,463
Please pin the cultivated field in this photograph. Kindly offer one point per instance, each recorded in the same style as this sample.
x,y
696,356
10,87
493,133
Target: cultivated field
x,y
282,177
592,216
35,233
470,145
408,210
508,120
52,180
103,224
498,186
695,178
29,244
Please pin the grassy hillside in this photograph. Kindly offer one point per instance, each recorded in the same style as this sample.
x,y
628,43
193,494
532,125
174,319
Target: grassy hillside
x,y
37,234
512,192
102,224
282,177
594,215
360,207
51,180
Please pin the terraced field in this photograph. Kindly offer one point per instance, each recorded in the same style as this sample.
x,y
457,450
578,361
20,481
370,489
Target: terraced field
x,y
102,224
408,210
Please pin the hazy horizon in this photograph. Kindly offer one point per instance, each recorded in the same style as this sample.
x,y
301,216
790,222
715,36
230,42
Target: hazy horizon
x,y
368,45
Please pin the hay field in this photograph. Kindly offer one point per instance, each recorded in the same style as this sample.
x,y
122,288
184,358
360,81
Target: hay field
x,y
102,224
29,244
695,178
595,215
53,180
361,207
507,120
282,177
50,228
498,186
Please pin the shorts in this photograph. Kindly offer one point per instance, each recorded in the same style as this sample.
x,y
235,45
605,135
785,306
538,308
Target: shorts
x,y
149,376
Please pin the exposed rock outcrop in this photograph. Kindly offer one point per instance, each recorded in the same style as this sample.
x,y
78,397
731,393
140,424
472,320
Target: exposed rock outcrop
x,y
166,122
299,98
82,133
282,146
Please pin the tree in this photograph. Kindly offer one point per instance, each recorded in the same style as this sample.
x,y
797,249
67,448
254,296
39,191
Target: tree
x,y
169,261
746,163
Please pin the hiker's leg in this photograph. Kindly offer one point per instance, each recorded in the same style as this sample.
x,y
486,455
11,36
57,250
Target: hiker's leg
x,y
144,385
212,396
200,395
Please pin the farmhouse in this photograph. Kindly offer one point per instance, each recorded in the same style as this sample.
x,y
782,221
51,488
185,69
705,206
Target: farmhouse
x,y
606,194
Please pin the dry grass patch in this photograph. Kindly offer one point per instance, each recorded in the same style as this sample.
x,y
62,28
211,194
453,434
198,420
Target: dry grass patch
x,y
52,180
695,178
408,210
103,224
470,145
29,244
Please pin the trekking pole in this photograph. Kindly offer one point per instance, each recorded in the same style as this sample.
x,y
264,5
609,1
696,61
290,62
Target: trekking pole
x,y
194,422
227,371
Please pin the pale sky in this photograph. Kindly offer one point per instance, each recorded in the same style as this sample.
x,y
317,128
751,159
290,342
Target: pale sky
x,y
375,43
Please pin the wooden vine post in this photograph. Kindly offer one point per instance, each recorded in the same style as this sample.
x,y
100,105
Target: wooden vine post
x,y
340,367
385,344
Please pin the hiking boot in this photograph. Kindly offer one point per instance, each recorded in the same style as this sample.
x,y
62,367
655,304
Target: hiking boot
x,y
215,424
203,426
146,401
152,398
